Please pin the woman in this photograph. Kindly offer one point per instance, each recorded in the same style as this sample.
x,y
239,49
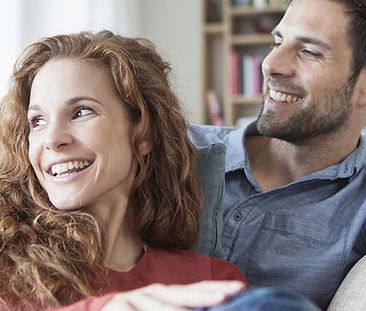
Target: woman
x,y
97,187
98,199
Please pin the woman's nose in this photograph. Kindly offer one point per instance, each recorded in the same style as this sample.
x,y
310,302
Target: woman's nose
x,y
58,135
279,62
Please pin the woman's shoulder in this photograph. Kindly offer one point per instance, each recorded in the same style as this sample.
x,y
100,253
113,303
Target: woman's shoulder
x,y
195,265
172,267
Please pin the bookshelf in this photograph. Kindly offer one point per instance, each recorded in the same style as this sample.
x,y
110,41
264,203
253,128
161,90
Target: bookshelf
x,y
236,37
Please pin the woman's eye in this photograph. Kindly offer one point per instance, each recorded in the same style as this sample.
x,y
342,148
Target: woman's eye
x,y
82,112
37,122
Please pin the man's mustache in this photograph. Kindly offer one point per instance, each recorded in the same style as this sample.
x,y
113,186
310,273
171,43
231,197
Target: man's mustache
x,y
285,86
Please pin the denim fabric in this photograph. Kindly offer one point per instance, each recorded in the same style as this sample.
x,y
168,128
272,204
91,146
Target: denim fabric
x,y
266,299
305,235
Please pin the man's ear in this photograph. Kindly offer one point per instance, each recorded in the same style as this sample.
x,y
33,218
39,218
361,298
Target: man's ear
x,y
361,87
144,148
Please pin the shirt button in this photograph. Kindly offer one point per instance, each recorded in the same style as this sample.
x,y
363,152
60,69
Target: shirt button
x,y
238,216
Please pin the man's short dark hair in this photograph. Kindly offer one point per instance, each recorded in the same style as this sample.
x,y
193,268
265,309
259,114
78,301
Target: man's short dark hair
x,y
357,34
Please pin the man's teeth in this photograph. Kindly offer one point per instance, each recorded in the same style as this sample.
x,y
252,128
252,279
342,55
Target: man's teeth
x,y
62,168
278,96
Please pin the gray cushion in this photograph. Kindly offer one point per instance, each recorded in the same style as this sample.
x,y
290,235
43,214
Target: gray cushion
x,y
211,170
351,294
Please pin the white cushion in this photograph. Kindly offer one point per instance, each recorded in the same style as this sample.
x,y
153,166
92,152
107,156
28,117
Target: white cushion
x,y
351,294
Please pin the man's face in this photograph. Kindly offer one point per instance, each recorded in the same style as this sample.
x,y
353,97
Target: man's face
x,y
306,89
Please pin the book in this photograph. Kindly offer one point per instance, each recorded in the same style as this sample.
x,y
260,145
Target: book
x,y
248,79
213,108
241,2
260,4
278,3
234,70
250,74
256,75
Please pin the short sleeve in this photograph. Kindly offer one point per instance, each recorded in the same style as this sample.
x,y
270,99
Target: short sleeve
x,y
87,304
222,270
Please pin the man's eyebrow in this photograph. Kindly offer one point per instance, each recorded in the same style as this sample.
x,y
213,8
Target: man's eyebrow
x,y
305,39
70,101
276,33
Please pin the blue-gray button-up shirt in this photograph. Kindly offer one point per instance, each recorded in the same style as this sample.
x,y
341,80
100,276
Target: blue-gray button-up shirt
x,y
305,235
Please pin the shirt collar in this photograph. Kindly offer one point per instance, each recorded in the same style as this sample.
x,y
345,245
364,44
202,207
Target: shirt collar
x,y
237,157
355,161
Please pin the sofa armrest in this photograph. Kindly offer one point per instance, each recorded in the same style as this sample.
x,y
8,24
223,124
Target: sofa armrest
x,y
351,294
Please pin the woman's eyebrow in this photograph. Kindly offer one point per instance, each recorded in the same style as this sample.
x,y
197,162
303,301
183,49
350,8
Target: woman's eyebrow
x,y
70,101
76,99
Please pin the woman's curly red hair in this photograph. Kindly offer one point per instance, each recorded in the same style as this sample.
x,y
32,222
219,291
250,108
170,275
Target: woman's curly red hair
x,y
49,257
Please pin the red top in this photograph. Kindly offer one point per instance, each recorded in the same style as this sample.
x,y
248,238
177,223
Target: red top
x,y
161,266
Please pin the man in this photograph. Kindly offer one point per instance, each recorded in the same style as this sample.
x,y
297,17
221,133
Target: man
x,y
295,181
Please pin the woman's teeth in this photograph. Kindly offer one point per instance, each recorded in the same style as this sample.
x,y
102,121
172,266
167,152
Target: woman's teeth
x,y
67,168
279,96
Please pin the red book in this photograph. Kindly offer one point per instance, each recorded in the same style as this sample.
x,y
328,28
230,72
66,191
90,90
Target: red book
x,y
234,70
213,108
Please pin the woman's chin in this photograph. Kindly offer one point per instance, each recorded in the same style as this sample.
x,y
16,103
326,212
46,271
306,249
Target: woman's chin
x,y
66,205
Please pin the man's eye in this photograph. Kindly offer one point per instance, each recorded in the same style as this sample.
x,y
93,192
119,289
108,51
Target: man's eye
x,y
275,45
309,53
82,112
37,122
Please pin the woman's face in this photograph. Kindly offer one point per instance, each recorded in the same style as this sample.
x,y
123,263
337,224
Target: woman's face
x,y
79,141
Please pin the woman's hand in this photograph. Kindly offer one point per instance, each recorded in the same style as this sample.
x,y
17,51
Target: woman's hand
x,y
159,297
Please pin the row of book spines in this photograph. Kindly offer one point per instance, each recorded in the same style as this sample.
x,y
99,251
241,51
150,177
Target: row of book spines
x,y
246,76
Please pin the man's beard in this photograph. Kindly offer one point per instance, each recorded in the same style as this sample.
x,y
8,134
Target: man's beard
x,y
319,117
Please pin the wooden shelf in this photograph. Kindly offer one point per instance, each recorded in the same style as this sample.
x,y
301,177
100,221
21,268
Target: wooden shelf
x,y
245,11
214,29
232,52
240,100
252,39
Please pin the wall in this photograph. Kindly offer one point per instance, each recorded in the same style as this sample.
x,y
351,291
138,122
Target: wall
x,y
173,25
11,44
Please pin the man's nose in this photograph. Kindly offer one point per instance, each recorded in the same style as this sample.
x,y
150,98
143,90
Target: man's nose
x,y
58,135
280,62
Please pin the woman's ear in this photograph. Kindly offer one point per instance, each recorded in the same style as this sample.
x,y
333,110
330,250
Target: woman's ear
x,y
145,148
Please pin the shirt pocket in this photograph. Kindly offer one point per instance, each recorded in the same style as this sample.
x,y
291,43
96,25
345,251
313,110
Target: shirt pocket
x,y
304,254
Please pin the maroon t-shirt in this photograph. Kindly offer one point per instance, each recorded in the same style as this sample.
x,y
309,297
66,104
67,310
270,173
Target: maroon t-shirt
x,y
160,266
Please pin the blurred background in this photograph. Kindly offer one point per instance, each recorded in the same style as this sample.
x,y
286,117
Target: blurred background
x,y
173,25
215,47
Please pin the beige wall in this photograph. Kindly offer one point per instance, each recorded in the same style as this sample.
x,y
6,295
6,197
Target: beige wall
x,y
174,26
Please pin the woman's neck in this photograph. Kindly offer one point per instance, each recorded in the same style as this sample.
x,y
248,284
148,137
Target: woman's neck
x,y
123,248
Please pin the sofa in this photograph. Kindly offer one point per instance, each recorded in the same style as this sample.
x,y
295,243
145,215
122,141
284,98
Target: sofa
x,y
351,294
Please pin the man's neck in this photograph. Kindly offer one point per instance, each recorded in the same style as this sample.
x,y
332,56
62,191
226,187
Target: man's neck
x,y
275,163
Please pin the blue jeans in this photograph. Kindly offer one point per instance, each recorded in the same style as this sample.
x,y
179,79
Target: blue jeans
x,y
266,299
